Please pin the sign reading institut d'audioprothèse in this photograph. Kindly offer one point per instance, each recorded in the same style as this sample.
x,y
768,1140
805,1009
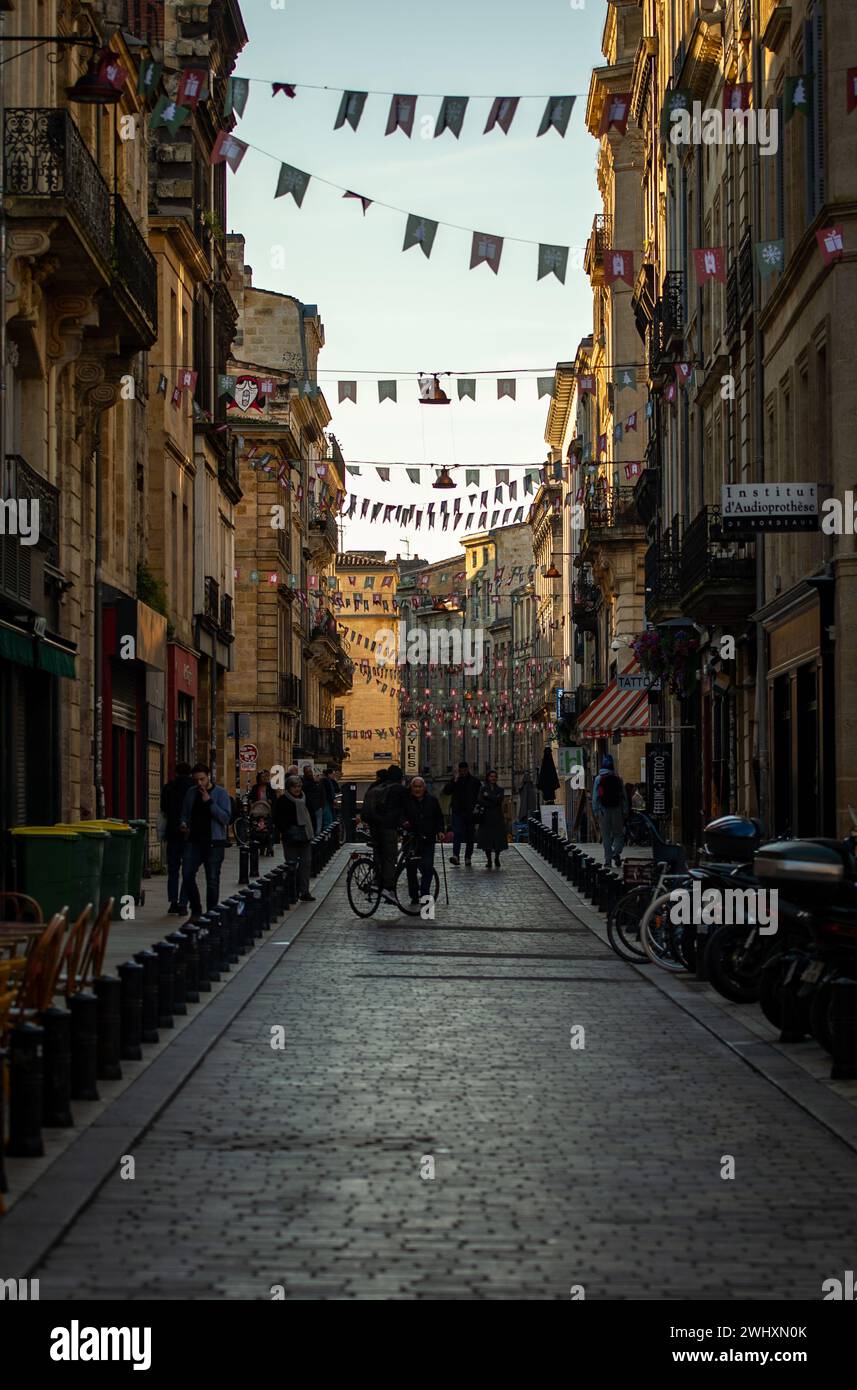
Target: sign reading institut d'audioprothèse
x,y
755,507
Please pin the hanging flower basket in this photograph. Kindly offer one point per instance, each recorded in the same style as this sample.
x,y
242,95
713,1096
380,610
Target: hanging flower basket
x,y
669,655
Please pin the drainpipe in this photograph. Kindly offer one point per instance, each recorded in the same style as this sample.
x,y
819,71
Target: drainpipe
x,y
759,422
98,661
213,718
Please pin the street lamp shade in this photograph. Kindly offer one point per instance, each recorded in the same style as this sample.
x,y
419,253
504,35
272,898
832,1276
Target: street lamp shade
x,y
94,87
552,572
443,479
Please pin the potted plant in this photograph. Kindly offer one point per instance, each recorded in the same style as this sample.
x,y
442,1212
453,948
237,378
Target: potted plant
x,y
669,655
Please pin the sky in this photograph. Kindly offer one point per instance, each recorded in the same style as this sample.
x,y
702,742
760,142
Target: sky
x,y
392,314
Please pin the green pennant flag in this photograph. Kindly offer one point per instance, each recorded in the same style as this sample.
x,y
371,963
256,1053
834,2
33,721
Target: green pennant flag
x,y
471,476
770,256
387,391
149,76
419,231
167,113
626,379
797,96
677,100
413,474
467,387
237,92
553,260
225,384
293,181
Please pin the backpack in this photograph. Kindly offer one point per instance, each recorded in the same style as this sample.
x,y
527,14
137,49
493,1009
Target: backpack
x,y
610,789
375,802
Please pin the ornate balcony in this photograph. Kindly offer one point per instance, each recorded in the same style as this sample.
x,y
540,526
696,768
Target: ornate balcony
x,y
52,179
585,605
290,692
327,653
599,241
24,482
321,743
662,566
717,574
775,22
323,534
647,494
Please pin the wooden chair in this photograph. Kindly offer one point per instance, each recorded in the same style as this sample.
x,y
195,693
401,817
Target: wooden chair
x,y
68,980
44,960
92,962
17,907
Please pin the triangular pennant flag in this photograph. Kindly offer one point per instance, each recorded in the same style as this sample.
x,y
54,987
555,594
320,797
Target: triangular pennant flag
x,y
486,248
676,101
502,113
237,92
112,72
797,96
401,117
413,474
451,115
162,385
420,231
619,265
631,422
471,477
557,114
467,387
229,149
225,385
387,391
553,260
546,386
501,475
684,372
149,76
831,243
187,378
365,202
293,181
350,109
616,109
383,474
167,112
586,384
626,379
348,391
710,264
736,96
770,256
287,87
192,87
505,387
353,470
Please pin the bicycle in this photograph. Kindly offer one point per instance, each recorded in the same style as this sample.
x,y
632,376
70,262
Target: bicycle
x,y
624,923
365,892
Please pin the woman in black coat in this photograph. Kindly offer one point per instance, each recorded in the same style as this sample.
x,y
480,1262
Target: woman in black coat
x,y
491,833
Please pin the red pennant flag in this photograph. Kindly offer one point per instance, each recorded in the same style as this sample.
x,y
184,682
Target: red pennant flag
x,y
502,113
710,264
112,71
851,90
187,379
619,265
670,392
486,248
631,422
191,87
602,443
286,87
831,243
228,149
365,202
736,96
585,384
402,113
176,398
684,371
615,113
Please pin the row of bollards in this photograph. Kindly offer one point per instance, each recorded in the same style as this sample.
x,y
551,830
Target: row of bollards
x,y
62,1056
603,886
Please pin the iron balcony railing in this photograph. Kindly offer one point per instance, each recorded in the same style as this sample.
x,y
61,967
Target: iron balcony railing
x,y
662,571
323,524
211,600
673,299
647,493
733,305
290,691
24,483
45,157
226,613
610,506
709,557
135,265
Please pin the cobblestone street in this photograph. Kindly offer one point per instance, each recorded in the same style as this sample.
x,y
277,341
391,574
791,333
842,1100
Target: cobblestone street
x,y
554,1167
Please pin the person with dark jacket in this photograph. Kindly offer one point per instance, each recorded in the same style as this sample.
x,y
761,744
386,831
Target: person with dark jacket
x,y
463,792
297,830
383,813
314,794
263,791
205,818
423,820
491,835
173,794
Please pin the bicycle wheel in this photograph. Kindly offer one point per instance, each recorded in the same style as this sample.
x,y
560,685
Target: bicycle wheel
x,y
656,933
241,826
734,967
364,890
623,923
403,892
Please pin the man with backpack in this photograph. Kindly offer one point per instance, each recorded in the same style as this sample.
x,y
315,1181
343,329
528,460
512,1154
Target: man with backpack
x,y
383,811
610,806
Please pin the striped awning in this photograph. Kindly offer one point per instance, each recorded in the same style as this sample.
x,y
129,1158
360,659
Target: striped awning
x,y
616,711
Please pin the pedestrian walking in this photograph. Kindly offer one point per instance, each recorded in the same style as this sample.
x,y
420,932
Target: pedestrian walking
x,y
173,794
262,790
205,818
548,781
423,819
610,807
330,790
528,798
296,829
314,795
463,792
491,833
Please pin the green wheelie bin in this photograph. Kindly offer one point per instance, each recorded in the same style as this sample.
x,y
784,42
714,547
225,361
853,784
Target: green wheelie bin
x,y
116,873
93,844
50,867
138,859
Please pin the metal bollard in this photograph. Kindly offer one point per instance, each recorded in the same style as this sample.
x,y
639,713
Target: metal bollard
x,y
254,859
84,1045
56,1094
191,959
844,1019
25,1091
149,962
209,959
243,864
178,939
108,992
166,953
131,1011
244,917
290,874
4,1186
703,932
602,889
220,918
262,893
234,926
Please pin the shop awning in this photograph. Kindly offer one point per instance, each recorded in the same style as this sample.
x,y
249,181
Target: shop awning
x,y
616,711
16,646
56,660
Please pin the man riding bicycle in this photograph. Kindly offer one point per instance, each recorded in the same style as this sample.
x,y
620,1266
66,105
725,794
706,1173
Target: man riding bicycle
x,y
383,812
